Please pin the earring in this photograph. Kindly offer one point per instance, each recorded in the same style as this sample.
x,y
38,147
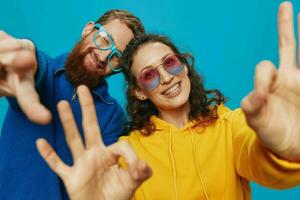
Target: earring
x,y
141,97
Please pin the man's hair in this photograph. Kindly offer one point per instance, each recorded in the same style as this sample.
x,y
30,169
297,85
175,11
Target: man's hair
x,y
131,21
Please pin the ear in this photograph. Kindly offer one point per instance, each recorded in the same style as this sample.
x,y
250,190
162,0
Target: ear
x,y
89,27
186,69
139,94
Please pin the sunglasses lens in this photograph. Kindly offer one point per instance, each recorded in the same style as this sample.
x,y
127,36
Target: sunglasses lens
x,y
149,78
173,65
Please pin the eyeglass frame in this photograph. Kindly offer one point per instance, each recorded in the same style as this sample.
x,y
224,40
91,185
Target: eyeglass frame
x,y
112,48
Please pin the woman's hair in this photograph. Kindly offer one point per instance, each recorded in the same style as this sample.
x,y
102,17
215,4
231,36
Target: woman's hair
x,y
203,103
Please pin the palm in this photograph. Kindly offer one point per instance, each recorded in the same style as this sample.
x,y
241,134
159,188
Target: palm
x,y
273,108
96,173
86,172
103,177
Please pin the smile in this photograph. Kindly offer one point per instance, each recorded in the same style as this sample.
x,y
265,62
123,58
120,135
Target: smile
x,y
173,91
98,65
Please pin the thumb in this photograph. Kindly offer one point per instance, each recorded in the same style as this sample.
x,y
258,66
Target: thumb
x,y
140,172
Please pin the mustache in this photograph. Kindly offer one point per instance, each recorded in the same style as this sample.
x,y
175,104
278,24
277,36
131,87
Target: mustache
x,y
76,69
92,50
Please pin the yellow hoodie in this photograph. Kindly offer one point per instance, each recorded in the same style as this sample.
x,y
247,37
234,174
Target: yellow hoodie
x,y
211,163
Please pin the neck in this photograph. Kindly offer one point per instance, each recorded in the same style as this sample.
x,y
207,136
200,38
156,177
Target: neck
x,y
179,117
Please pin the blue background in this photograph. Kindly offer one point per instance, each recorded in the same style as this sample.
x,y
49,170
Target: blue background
x,y
228,38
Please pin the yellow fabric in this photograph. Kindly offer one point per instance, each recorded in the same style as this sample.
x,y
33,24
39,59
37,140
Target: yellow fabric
x,y
210,163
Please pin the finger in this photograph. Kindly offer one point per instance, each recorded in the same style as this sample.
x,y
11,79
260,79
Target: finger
x,y
20,62
265,74
52,159
140,172
253,103
5,90
29,102
299,40
8,44
72,135
125,150
287,41
92,134
3,35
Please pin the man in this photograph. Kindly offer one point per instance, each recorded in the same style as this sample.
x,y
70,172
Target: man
x,y
28,76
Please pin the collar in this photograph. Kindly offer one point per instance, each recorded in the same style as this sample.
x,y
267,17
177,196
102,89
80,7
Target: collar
x,y
101,91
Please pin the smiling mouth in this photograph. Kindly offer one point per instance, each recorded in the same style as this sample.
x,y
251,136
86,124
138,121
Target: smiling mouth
x,y
173,90
98,64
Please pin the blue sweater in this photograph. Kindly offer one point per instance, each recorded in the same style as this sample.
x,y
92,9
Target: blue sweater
x,y
23,172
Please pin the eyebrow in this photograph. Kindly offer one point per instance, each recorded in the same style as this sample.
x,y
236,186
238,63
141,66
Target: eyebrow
x,y
160,59
111,38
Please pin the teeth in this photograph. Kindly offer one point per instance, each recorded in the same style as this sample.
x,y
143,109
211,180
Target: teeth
x,y
172,89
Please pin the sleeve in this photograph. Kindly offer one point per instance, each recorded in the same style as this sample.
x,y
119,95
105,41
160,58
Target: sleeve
x,y
255,162
114,125
43,61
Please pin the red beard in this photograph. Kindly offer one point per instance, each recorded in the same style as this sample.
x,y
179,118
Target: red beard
x,y
76,70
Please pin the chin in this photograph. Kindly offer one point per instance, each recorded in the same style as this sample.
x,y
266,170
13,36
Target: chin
x,y
175,103
180,103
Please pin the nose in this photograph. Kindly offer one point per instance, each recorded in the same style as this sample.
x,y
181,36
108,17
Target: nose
x,y
165,77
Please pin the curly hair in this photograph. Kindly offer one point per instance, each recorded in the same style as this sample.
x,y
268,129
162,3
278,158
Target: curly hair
x,y
203,103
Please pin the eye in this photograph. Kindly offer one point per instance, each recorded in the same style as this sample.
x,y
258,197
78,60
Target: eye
x,y
149,75
115,57
171,61
102,39
173,65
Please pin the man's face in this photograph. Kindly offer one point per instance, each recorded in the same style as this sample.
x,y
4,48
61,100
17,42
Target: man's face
x,y
87,64
97,60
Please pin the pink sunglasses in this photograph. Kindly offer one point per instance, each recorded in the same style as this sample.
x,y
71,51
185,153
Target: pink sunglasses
x,y
149,77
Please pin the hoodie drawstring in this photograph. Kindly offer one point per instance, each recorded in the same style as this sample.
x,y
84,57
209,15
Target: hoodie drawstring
x,y
197,164
173,165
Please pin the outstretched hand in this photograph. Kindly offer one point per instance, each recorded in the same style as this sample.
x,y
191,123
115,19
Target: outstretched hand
x,y
95,173
17,68
273,108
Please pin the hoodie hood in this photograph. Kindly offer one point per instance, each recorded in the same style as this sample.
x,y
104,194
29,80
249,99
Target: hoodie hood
x,y
163,127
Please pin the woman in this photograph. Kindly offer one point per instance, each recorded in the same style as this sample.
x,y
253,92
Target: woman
x,y
198,150
196,147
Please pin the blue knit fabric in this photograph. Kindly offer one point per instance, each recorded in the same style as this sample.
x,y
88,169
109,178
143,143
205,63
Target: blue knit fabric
x,y
23,173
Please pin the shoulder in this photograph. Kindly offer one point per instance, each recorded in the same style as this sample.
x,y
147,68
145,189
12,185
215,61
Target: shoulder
x,y
225,113
133,137
235,119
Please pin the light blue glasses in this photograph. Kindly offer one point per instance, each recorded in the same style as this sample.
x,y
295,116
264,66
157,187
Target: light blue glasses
x,y
104,42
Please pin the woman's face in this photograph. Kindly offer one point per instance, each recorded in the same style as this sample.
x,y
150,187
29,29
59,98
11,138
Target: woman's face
x,y
167,90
